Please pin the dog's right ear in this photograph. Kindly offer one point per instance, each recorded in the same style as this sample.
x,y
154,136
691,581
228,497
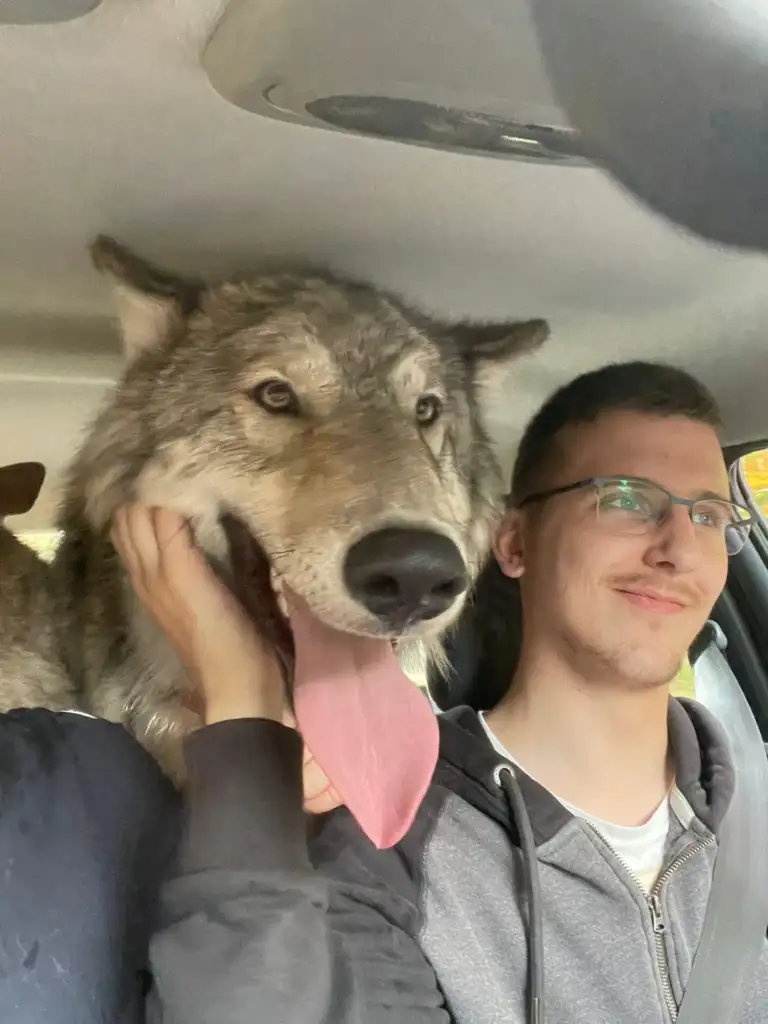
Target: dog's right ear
x,y
19,487
151,303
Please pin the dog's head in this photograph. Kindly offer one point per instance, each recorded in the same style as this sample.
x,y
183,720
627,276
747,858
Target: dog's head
x,y
313,428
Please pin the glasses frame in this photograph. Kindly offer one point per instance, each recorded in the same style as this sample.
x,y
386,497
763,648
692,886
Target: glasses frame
x,y
742,528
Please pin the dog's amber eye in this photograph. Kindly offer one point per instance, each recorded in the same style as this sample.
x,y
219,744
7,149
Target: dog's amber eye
x,y
428,409
276,396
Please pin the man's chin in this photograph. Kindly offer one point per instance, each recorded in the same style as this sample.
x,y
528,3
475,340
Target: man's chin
x,y
653,671
642,664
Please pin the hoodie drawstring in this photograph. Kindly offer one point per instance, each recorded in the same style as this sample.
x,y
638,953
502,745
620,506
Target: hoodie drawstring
x,y
506,780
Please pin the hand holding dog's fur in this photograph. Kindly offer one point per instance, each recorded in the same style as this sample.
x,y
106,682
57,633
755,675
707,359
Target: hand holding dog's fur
x,y
236,674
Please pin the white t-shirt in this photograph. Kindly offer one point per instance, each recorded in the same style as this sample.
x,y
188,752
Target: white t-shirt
x,y
640,847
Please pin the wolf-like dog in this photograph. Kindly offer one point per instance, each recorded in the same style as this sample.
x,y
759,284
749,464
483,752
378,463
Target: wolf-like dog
x,y
30,672
320,437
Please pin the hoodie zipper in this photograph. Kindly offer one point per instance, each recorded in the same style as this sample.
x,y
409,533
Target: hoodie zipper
x,y
653,901
657,917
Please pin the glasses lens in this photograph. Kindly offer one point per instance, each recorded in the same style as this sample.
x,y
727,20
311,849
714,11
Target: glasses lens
x,y
630,505
736,537
734,540
729,520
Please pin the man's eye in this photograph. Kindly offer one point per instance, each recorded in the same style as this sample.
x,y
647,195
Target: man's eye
x,y
711,515
625,501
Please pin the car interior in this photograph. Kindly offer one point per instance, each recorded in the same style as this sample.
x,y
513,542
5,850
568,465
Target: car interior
x,y
422,146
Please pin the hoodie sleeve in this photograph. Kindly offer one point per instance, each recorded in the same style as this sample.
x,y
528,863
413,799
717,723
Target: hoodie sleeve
x,y
251,930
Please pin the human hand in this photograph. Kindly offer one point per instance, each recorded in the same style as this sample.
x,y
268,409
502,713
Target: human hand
x,y
236,673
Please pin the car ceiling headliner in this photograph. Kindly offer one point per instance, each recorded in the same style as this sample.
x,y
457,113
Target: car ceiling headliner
x,y
109,124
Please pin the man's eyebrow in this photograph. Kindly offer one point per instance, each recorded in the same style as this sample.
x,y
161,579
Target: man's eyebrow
x,y
712,496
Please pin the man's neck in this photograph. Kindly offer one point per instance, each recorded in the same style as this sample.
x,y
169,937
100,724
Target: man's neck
x,y
602,748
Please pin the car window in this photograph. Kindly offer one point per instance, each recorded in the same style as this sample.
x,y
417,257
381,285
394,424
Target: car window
x,y
754,468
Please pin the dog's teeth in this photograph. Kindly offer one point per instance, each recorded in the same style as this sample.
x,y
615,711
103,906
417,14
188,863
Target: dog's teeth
x,y
277,589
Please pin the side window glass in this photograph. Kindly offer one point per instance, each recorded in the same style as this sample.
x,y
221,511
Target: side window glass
x,y
754,469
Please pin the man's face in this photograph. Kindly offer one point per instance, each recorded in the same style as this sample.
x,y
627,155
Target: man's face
x,y
617,604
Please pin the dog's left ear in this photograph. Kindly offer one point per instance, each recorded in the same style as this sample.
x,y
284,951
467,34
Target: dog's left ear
x,y
499,343
488,350
152,303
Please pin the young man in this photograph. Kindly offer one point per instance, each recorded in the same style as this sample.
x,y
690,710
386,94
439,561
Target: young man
x,y
573,828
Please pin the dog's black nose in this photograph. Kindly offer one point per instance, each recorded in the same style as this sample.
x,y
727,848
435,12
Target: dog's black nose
x,y
405,575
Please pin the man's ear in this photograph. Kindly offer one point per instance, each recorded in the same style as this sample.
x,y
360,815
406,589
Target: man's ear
x,y
20,485
152,303
508,545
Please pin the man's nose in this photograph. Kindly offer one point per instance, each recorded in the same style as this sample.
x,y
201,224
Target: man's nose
x,y
675,545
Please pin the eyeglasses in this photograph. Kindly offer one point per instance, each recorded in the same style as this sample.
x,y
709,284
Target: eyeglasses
x,y
633,505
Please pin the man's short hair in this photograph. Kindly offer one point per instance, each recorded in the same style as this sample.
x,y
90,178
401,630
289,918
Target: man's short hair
x,y
653,388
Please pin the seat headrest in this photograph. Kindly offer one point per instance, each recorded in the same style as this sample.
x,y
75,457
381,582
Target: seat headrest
x,y
484,646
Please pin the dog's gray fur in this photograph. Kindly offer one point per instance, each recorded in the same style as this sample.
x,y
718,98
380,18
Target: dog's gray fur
x,y
182,430
30,672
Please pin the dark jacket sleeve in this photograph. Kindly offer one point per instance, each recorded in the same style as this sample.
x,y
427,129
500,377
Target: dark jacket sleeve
x,y
252,931
88,826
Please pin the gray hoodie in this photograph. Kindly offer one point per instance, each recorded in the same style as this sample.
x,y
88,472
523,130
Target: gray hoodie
x,y
263,925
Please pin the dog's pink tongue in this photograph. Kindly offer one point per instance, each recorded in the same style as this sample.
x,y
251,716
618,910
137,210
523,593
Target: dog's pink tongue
x,y
368,726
